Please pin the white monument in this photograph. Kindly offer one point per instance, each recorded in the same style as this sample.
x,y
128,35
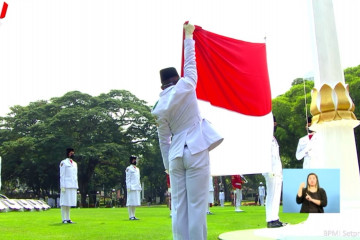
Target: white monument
x,y
334,121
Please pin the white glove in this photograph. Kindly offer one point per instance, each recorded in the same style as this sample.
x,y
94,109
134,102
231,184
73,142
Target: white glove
x,y
62,189
189,29
166,171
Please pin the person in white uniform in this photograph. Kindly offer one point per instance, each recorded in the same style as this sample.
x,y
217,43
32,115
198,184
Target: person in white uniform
x,y
237,181
306,148
68,185
133,186
221,194
261,190
185,140
211,195
273,186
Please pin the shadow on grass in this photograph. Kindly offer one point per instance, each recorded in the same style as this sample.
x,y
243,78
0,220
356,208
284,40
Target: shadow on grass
x,y
60,224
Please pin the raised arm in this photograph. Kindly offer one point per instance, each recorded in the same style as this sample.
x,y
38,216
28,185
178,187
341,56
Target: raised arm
x,y
190,72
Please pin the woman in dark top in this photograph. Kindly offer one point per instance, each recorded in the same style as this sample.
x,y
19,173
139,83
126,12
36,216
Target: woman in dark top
x,y
313,198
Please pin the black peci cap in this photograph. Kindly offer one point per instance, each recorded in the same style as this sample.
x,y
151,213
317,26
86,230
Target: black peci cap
x,y
132,157
309,119
68,150
167,73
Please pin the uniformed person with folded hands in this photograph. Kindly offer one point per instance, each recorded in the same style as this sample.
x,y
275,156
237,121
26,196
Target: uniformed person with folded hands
x,y
68,185
133,186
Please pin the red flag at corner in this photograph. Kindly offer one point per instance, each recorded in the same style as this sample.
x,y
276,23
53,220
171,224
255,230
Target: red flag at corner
x,y
3,10
232,74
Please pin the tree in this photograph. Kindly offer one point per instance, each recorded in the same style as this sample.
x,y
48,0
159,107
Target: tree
x,y
104,130
290,111
352,78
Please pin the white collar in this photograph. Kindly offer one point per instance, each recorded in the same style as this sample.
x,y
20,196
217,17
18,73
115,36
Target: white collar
x,y
166,90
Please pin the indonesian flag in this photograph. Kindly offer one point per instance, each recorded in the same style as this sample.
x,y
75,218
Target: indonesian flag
x,y
233,78
3,10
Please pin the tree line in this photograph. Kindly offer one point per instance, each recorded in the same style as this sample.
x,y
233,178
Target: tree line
x,y
106,129
289,109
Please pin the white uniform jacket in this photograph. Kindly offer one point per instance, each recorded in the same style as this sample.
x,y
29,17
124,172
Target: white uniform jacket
x,y
133,178
68,174
178,117
306,149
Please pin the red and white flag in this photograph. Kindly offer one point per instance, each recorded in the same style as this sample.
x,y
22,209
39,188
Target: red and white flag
x,y
233,77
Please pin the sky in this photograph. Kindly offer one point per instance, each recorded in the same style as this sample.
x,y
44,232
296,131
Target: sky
x,y
51,47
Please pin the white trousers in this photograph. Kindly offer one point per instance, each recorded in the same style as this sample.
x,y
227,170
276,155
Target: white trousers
x,y
261,199
273,189
238,195
189,177
131,210
222,198
65,213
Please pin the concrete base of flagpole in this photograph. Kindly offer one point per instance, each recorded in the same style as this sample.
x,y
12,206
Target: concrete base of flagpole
x,y
344,225
339,151
242,234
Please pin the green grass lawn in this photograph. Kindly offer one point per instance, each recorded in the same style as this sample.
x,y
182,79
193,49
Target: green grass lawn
x,y
113,223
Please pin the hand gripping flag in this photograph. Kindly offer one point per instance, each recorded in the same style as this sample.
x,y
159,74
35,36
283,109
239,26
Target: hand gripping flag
x,y
233,77
232,74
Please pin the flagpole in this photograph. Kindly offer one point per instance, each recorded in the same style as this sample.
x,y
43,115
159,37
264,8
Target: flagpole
x,y
334,122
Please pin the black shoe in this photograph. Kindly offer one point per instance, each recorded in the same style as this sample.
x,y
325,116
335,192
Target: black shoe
x,y
69,221
275,224
133,218
65,221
